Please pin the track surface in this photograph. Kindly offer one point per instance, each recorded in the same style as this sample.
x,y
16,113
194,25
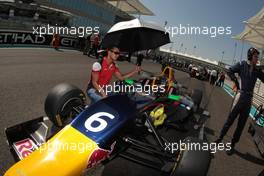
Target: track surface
x,y
27,75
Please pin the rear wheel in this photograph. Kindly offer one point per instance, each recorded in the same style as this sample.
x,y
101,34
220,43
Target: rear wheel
x,y
63,103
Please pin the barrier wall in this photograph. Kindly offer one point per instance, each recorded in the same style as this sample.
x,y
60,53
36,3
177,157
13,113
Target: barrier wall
x,y
25,38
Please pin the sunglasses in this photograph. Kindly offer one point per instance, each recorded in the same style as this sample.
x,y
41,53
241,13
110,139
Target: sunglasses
x,y
115,52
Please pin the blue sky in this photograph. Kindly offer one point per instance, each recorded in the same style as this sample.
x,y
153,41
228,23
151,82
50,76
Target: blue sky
x,y
205,13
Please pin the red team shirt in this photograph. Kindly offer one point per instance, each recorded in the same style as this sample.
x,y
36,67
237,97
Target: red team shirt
x,y
105,72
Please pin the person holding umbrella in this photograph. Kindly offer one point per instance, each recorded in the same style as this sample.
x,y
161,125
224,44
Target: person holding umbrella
x,y
103,72
128,36
248,74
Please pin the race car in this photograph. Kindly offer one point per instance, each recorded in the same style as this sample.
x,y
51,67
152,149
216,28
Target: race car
x,y
166,78
109,128
167,110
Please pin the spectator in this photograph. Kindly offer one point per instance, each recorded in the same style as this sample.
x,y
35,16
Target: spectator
x,y
140,57
221,79
95,46
190,67
87,45
213,77
129,56
55,41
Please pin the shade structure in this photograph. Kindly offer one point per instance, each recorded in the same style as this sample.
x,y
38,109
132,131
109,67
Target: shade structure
x,y
254,31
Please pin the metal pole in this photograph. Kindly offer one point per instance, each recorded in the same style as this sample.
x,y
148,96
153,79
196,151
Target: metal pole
x,y
222,59
234,58
223,52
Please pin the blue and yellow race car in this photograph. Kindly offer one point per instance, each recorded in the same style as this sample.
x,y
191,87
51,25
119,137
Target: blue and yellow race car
x,y
74,138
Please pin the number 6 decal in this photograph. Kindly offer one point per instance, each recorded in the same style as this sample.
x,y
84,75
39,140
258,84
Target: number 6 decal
x,y
96,118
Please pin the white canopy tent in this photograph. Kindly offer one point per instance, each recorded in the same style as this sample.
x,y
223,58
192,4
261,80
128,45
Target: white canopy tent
x,y
131,7
254,31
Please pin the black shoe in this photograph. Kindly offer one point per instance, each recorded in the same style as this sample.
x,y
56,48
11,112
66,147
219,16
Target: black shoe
x,y
231,151
217,141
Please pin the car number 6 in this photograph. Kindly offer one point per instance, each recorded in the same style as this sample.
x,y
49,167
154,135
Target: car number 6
x,y
96,117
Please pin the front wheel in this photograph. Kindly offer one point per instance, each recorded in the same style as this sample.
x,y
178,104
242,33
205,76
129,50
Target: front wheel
x,y
63,103
192,162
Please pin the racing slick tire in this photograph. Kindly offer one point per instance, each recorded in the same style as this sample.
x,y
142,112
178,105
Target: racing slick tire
x,y
60,102
192,162
197,96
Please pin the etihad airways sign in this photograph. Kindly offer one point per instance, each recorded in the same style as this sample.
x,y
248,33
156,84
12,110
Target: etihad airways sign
x,y
27,38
